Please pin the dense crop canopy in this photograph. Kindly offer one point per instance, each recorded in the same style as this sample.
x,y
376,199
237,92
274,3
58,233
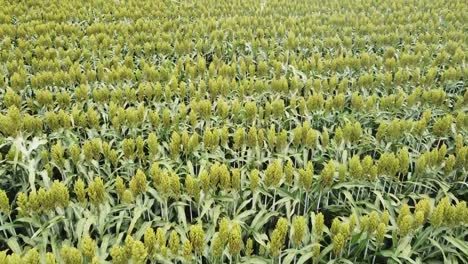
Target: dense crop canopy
x,y
204,131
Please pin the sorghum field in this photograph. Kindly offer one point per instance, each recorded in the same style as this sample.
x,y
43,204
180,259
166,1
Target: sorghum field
x,y
204,131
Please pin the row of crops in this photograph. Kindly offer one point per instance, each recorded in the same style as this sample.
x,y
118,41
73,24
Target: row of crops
x,y
233,132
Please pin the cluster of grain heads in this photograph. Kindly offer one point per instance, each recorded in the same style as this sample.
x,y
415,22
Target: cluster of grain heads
x,y
4,203
71,255
128,135
299,230
446,214
277,237
40,201
88,247
96,191
197,238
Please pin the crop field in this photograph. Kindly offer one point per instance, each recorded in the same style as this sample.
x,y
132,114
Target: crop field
x,y
208,131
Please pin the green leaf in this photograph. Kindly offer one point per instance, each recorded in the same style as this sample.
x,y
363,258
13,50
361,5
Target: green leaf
x,y
256,260
262,239
461,245
261,219
13,245
137,212
436,244
404,247
304,258
241,217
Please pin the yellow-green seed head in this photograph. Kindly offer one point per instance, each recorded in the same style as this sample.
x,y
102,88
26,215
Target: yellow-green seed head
x,y
4,203
311,139
385,217
449,164
325,139
273,174
405,226
57,152
59,194
71,255
197,238
249,247
160,238
88,247
380,234
174,242
252,138
289,172
335,227
355,168
236,179
327,174
118,255
22,202
424,206
404,211
175,185
373,221
149,239
153,145
235,240
217,246
338,243
224,227
120,186
32,257
50,258
319,224
278,237
127,197
74,152
187,250
128,147
97,191
316,250
138,183
299,230
14,259
419,219
254,180
139,252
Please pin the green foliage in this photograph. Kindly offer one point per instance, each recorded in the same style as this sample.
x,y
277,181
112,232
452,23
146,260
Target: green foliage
x,y
308,131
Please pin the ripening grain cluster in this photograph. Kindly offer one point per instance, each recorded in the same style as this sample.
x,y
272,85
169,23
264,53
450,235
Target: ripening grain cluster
x,y
205,131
